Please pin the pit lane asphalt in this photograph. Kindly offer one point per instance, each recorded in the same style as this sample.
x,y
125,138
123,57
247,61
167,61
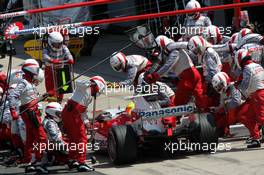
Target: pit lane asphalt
x,y
236,161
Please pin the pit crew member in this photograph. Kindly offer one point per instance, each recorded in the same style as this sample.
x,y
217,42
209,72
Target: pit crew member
x,y
73,122
53,55
26,93
252,88
132,65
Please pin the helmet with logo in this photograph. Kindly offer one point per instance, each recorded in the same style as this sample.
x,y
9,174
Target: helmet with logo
x,y
212,34
193,4
31,67
53,110
197,44
55,41
234,38
100,83
118,62
220,81
163,41
242,33
240,55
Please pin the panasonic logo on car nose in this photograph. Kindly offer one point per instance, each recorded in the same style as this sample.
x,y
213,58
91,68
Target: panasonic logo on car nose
x,y
165,112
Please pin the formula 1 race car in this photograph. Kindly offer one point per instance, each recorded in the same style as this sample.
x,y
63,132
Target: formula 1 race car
x,y
122,134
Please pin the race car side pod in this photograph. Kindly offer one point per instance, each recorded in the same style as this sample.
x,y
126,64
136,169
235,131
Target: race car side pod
x,y
6,86
60,7
44,96
138,17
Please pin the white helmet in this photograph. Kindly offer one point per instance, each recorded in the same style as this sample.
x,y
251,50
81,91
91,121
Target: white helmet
x,y
31,66
234,38
100,82
54,109
193,4
242,33
118,61
239,56
198,44
220,81
163,41
212,34
15,76
40,77
55,41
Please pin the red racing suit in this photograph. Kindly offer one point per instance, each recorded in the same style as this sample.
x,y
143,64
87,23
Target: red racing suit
x,y
190,82
49,56
26,92
73,122
252,88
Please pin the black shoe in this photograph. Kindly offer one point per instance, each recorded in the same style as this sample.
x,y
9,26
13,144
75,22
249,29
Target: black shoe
x,y
42,169
84,168
11,162
249,140
73,164
30,169
254,144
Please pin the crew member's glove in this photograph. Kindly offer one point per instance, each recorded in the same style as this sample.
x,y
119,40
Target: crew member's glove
x,y
52,92
14,113
53,61
152,78
70,61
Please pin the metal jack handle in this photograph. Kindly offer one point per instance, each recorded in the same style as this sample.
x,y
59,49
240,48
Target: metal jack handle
x,y
9,51
93,120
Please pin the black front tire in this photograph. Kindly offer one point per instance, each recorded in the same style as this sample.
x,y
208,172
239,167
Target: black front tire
x,y
122,144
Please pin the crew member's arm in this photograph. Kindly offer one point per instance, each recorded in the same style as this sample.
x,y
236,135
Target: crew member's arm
x,y
207,21
14,98
68,55
54,132
235,98
172,59
251,38
212,66
131,74
245,83
45,56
